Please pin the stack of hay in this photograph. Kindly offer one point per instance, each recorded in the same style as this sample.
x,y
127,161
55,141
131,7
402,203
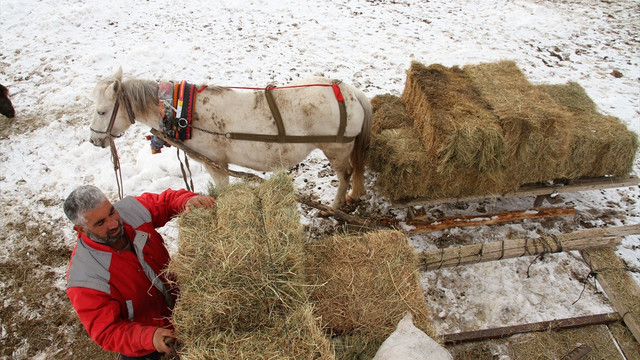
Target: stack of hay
x,y
253,286
241,273
486,130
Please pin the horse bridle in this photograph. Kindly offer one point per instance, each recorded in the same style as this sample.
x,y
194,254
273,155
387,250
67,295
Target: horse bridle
x,y
114,113
114,154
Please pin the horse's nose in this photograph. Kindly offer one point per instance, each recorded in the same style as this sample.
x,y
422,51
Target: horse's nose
x,y
98,142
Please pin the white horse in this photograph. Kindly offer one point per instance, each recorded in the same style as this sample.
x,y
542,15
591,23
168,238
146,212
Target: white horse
x,y
309,109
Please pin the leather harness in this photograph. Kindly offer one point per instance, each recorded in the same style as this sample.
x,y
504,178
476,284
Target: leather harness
x,y
283,138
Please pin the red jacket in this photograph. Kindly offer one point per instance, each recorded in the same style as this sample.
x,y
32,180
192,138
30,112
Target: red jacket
x,y
112,290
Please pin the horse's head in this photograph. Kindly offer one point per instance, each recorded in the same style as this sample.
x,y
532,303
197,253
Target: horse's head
x,y
6,108
106,96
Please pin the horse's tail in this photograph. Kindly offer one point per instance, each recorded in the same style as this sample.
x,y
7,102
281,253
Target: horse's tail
x,y
360,147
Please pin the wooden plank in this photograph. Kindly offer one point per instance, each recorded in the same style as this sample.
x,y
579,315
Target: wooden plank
x,y
506,331
421,226
580,184
511,248
621,289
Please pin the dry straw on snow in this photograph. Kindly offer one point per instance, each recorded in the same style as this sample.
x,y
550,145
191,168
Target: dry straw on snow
x,y
486,130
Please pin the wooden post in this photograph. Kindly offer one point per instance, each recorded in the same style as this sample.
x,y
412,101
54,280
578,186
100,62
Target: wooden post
x,y
421,226
506,331
621,289
497,250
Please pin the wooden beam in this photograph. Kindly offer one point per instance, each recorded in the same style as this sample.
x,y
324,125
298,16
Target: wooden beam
x,y
621,289
420,226
580,184
496,250
506,331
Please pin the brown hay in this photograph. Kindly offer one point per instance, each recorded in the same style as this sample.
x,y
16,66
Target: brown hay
x,y
536,127
454,122
605,263
406,170
628,344
599,145
366,284
485,131
241,272
389,112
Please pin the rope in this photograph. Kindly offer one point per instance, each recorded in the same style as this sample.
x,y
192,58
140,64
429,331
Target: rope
x,y
188,184
116,167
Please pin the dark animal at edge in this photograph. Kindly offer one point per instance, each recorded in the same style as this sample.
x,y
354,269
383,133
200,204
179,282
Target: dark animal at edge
x,y
6,108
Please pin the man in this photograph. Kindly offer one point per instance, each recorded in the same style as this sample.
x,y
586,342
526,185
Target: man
x,y
115,279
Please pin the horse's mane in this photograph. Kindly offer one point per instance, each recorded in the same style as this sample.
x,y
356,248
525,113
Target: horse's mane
x,y
142,93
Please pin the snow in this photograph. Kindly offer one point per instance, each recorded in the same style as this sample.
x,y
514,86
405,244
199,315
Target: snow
x,y
53,52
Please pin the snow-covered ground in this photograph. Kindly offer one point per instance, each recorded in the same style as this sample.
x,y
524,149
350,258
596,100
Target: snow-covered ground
x,y
53,52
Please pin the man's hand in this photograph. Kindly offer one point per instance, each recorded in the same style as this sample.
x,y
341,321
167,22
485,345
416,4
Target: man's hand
x,y
200,202
159,337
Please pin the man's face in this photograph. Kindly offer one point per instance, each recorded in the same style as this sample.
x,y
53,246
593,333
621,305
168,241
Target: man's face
x,y
103,224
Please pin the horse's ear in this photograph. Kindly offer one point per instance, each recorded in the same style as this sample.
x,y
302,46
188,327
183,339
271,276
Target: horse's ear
x,y
118,74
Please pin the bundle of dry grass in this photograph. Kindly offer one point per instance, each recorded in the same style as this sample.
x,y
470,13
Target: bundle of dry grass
x,y
406,170
485,130
365,286
599,145
536,127
454,122
389,112
241,272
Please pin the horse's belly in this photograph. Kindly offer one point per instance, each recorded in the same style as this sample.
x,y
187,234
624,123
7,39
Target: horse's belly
x,y
268,156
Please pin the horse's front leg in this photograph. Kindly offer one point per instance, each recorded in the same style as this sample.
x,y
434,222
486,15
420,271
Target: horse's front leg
x,y
220,179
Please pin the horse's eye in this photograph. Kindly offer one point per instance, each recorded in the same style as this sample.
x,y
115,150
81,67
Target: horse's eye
x,y
101,113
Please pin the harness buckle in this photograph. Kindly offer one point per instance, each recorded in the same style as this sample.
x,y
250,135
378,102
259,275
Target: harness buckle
x,y
182,123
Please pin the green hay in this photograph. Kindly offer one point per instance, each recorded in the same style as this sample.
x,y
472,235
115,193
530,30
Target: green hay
x,y
241,272
368,283
454,122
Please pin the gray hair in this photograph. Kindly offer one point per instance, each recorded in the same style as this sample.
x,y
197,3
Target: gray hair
x,y
82,199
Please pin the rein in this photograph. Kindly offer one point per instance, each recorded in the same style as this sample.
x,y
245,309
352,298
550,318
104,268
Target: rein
x,y
115,159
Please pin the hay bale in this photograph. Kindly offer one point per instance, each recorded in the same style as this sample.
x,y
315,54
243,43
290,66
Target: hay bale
x,y
486,130
599,145
406,170
366,284
536,127
389,112
454,122
241,273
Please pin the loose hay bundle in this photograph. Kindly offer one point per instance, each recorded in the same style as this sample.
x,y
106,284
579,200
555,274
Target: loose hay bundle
x,y
365,286
241,272
389,112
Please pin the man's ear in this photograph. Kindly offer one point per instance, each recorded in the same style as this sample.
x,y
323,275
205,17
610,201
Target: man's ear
x,y
80,229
